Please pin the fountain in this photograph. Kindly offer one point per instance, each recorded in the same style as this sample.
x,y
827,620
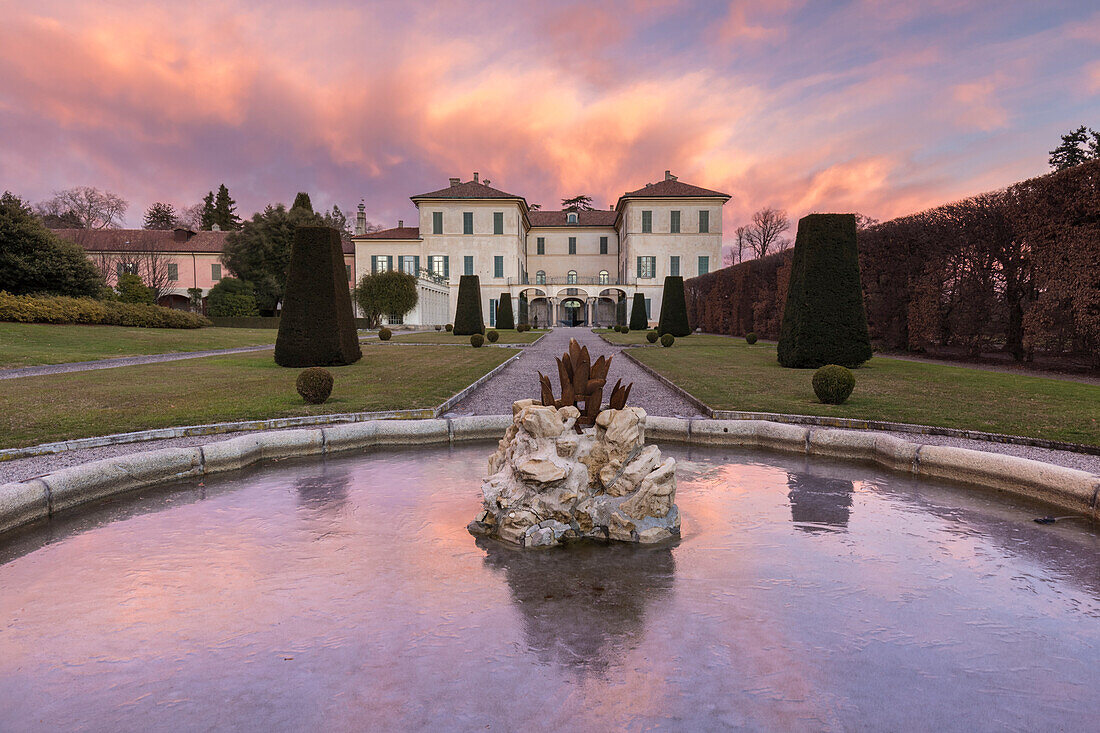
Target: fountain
x,y
560,474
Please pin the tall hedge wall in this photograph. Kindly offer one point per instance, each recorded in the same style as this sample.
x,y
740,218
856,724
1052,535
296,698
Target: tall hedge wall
x,y
468,317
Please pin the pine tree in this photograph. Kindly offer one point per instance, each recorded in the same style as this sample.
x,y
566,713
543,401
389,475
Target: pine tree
x,y
577,203
160,216
1094,145
207,219
302,202
1072,150
225,209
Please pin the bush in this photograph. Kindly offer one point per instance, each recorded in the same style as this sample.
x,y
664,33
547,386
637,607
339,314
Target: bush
x,y
386,293
624,329
667,340
824,321
131,289
674,317
231,298
385,334
638,319
468,318
620,311
492,335
35,260
833,384
61,309
438,327
477,340
317,327
750,338
522,328
450,327
505,319
651,337
314,385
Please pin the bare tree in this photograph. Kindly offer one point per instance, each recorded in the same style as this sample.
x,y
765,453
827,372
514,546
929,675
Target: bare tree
x,y
764,234
190,217
153,267
86,206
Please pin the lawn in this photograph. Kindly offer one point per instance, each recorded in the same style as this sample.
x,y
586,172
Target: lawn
x,y
728,374
636,338
443,337
222,388
30,344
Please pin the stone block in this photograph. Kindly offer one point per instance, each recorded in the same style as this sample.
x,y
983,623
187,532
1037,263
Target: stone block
x,y
229,455
667,428
411,432
724,432
350,436
98,479
895,453
22,503
843,443
781,436
479,427
291,443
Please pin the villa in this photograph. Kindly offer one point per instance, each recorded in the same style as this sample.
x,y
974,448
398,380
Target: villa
x,y
571,267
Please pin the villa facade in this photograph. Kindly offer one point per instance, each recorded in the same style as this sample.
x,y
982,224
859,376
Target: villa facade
x,y
572,268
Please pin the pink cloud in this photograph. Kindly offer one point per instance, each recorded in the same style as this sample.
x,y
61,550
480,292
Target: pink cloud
x,y
977,105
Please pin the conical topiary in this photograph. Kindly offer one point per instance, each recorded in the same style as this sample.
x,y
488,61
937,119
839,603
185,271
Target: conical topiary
x,y
468,317
674,314
620,311
824,321
504,312
524,313
638,319
317,327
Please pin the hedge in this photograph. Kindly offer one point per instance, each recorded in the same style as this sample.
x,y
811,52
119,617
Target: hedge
x,y
61,309
674,317
638,319
504,312
468,318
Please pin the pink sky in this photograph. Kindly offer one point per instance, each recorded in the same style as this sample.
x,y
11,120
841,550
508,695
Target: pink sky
x,y
871,106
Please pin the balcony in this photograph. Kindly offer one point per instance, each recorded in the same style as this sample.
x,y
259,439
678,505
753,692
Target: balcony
x,y
611,281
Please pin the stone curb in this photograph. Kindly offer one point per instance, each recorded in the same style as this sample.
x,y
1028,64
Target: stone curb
x,y
28,501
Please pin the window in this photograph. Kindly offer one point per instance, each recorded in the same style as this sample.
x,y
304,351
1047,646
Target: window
x,y
647,222
647,267
492,311
572,245
467,222
674,222
380,263
438,265
395,319
540,245
215,272
540,277
674,265
498,266
346,267
174,272
572,218
605,277
437,222
704,222
571,278
498,222
468,265
704,264
410,264
648,308
123,268
603,245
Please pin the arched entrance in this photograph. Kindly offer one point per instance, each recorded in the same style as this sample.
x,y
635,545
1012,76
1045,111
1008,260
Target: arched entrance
x,y
573,312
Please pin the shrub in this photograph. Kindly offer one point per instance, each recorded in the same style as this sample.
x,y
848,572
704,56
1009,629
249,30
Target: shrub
x,y
667,340
674,318
450,327
651,337
314,385
620,311
477,340
385,334
522,328
624,329
833,383
468,318
750,338
131,289
524,311
505,320
317,327
492,335
390,292
231,298
60,309
638,319
438,327
824,321
34,259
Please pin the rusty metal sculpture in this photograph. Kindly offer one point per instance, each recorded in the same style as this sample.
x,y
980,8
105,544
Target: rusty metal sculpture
x,y
583,381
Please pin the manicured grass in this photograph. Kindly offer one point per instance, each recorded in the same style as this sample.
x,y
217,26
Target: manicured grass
x,y
30,344
634,338
728,374
443,337
222,388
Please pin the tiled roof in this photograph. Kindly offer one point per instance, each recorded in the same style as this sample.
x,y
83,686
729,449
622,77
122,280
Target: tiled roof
x,y
594,218
395,233
672,189
150,240
467,190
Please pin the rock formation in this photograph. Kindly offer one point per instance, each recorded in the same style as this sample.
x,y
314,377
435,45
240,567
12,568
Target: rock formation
x,y
549,484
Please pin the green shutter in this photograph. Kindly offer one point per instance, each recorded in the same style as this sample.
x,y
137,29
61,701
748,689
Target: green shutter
x,y
447,267
416,265
639,266
437,222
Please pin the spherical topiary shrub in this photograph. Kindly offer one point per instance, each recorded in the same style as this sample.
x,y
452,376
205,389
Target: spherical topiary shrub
x,y
314,385
450,327
492,335
651,337
624,329
667,340
477,340
833,384
438,327
750,338
385,334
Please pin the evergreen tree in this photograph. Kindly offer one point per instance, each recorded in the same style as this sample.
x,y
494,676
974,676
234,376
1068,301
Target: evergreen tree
x,y
160,216
225,209
35,260
207,219
620,311
582,202
301,201
338,221
468,317
638,319
1072,151
674,317
505,319
386,293
1094,145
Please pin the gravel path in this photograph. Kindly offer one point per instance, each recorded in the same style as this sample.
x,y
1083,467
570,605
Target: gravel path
x,y
519,379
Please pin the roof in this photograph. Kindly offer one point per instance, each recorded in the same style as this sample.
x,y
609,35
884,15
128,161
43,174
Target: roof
x,y
468,190
395,233
593,218
151,240
672,188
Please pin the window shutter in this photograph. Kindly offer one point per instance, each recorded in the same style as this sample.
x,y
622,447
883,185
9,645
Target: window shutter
x,y
118,269
373,264
639,266
389,262
416,265
447,267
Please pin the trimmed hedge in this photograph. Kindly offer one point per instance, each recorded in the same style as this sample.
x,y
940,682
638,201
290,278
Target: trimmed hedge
x,y
314,385
384,334
824,321
674,317
524,310
492,335
317,327
620,312
833,384
468,317
61,309
504,312
667,339
651,337
477,340
231,298
638,319
750,338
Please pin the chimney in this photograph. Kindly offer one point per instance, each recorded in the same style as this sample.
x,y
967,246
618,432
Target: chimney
x,y
400,223
454,182
669,176
215,228
475,176
361,220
